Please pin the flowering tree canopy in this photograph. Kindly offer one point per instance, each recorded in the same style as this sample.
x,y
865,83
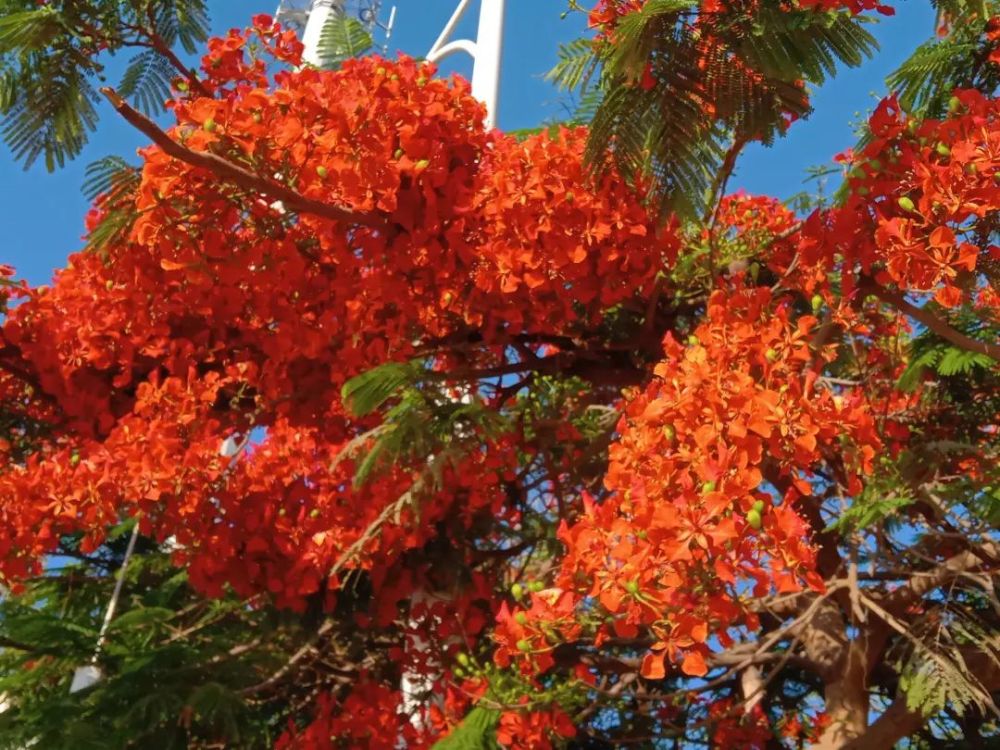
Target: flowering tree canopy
x,y
438,436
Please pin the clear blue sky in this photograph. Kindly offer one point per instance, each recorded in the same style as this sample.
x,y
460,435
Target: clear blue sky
x,y
42,213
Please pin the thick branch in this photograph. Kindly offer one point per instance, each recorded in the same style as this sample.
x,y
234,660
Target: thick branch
x,y
894,724
240,176
921,584
934,323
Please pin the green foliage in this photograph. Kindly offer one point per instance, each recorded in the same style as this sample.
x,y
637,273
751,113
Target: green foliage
x,y
929,688
476,732
930,73
886,492
577,63
171,679
51,56
419,427
925,80
366,392
869,510
117,181
931,353
342,38
112,177
660,133
183,22
147,81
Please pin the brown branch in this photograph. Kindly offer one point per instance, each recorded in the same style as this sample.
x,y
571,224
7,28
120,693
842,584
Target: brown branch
x,y
240,176
934,323
921,584
308,648
895,723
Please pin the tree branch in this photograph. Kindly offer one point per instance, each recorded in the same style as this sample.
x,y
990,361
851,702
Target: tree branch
x,y
921,584
895,723
934,323
240,176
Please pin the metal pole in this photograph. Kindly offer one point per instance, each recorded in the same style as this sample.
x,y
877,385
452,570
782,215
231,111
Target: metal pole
x,y
489,52
486,52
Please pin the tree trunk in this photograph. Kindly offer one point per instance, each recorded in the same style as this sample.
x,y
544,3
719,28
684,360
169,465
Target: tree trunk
x,y
847,708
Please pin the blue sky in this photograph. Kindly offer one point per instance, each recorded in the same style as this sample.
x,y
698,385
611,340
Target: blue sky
x,y
42,214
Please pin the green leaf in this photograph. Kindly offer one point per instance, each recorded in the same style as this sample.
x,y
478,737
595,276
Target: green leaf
x,y
342,38
577,63
182,21
111,176
477,731
366,392
54,112
29,30
141,617
147,80
661,134
931,72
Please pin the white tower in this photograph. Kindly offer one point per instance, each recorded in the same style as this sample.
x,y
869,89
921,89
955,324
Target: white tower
x,y
309,17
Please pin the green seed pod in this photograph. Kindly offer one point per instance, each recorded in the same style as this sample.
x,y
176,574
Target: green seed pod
x,y
463,659
536,586
771,355
459,672
321,171
74,459
521,619
693,340
906,203
708,487
517,590
942,149
524,645
953,104
209,125
422,164
754,519
758,506
754,270
816,302
632,587
669,432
